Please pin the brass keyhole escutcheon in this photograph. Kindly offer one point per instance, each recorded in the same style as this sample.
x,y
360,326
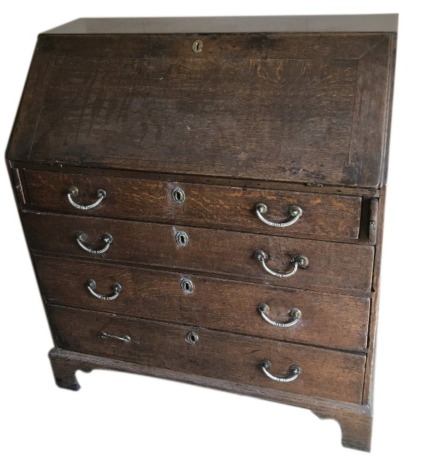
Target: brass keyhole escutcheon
x,y
181,239
187,286
178,195
192,337
197,45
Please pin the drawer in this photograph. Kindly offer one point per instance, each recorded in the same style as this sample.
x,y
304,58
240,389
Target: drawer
x,y
211,251
335,321
323,215
236,358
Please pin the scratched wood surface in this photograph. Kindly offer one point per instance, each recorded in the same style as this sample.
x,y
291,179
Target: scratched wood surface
x,y
333,321
333,267
260,114
161,107
324,216
329,374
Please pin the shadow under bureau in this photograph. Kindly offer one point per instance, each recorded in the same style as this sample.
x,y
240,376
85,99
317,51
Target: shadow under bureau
x,y
203,201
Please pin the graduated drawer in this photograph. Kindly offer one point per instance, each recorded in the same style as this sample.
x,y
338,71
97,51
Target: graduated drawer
x,y
236,358
335,321
323,215
218,252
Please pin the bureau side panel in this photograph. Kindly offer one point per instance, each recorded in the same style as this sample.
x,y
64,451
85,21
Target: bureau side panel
x,y
374,310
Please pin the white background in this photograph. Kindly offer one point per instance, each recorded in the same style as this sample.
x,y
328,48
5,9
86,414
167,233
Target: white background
x,y
119,420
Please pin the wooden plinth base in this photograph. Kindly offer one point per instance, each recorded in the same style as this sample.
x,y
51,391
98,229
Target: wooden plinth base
x,y
355,420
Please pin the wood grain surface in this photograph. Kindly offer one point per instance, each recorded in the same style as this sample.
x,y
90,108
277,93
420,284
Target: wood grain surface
x,y
355,420
161,107
333,267
328,320
285,111
236,358
324,216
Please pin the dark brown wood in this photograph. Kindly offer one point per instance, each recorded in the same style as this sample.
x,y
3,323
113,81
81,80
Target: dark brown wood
x,y
230,253
370,363
373,220
18,185
351,46
369,131
275,110
236,358
387,130
21,139
97,171
196,115
327,320
356,426
64,370
355,420
327,217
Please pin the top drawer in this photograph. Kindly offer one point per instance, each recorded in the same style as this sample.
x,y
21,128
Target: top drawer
x,y
283,107
321,216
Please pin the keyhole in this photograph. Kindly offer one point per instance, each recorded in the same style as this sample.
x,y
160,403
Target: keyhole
x,y
192,337
187,286
178,195
197,45
181,239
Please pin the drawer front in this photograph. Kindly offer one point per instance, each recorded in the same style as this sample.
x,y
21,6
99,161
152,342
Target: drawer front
x,y
328,320
323,216
328,374
212,251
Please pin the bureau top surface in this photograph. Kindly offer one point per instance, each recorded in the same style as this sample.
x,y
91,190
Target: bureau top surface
x,y
245,24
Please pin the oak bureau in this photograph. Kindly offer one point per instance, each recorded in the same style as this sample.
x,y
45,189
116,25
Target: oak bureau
x,y
203,201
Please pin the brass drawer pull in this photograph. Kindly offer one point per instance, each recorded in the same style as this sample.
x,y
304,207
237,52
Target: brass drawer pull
x,y
104,335
295,212
295,314
91,285
294,371
299,261
74,192
107,238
